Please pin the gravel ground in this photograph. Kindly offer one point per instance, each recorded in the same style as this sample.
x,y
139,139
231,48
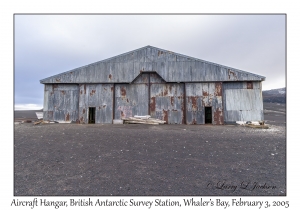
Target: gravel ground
x,y
73,159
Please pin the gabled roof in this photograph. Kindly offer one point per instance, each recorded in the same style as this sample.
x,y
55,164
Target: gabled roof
x,y
172,67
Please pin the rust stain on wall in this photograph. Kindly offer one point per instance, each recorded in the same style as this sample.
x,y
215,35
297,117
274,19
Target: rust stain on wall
x,y
249,85
193,100
92,92
232,74
194,122
54,86
182,111
67,117
110,76
123,91
165,116
83,111
84,86
160,53
204,93
218,89
218,117
122,114
165,92
112,89
172,100
63,92
152,104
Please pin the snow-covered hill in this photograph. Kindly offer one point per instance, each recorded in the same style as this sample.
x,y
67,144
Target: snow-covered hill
x,y
275,95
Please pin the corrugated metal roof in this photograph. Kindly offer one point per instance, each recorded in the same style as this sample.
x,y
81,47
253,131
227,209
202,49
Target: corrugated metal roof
x,y
172,67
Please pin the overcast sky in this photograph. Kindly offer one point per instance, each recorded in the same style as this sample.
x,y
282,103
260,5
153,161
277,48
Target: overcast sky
x,y
46,45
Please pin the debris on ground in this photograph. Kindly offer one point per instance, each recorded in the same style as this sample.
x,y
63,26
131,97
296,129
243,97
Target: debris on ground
x,y
117,121
258,126
38,122
143,120
39,115
253,124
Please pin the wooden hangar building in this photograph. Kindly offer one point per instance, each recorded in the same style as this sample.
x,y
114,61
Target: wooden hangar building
x,y
151,81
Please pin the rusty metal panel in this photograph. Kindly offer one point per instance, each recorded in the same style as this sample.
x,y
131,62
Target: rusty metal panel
x,y
83,106
61,102
249,85
164,56
131,100
167,103
104,103
99,96
200,95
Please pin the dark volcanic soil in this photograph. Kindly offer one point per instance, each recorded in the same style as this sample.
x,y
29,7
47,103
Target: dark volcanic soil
x,y
275,114
72,159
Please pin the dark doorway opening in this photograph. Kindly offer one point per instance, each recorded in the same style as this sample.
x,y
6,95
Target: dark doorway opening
x,y
92,111
208,115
